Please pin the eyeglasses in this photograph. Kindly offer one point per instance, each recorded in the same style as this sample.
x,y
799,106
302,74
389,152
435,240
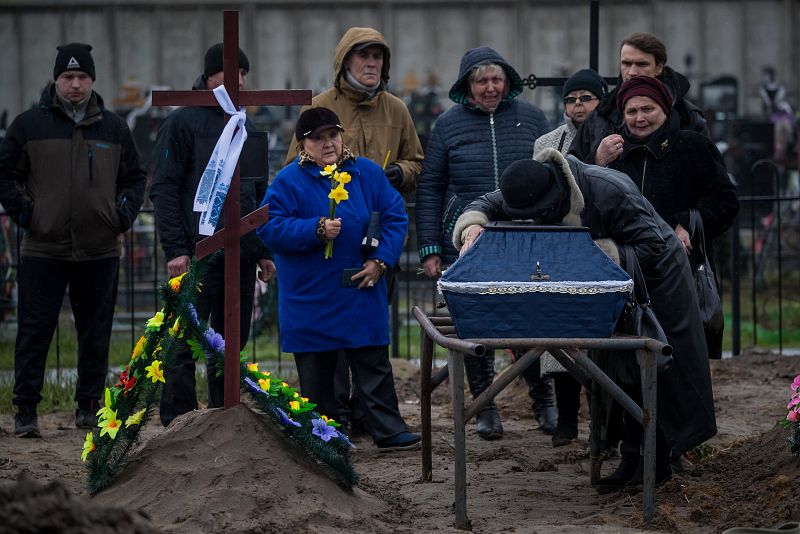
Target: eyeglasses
x,y
582,98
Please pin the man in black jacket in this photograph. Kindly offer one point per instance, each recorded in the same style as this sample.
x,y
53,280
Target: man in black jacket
x,y
183,147
70,178
641,54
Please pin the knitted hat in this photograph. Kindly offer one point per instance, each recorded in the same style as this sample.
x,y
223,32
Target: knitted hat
x,y
314,121
213,61
530,189
74,56
645,86
587,80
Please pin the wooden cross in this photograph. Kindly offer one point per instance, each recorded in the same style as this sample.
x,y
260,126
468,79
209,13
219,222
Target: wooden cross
x,y
228,237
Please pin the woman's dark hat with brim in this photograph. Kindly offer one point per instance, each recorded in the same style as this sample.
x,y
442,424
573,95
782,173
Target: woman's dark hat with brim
x,y
314,121
530,189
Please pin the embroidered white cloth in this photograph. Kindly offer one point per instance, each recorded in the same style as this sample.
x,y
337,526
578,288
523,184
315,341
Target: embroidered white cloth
x,y
216,179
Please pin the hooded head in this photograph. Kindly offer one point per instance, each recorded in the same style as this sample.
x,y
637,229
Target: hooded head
x,y
475,57
534,190
356,39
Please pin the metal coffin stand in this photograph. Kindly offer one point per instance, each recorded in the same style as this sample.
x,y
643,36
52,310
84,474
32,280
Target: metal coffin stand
x,y
440,330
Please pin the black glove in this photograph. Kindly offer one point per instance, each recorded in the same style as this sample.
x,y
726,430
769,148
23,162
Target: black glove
x,y
394,174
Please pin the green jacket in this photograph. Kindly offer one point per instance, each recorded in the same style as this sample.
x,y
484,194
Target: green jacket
x,y
373,126
73,188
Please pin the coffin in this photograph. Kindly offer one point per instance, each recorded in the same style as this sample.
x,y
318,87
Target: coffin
x,y
524,281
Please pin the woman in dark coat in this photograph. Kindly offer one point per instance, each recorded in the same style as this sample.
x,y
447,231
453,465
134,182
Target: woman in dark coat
x,y
471,144
612,208
676,170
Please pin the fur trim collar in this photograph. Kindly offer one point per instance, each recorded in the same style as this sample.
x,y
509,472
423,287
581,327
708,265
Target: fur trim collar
x,y
576,203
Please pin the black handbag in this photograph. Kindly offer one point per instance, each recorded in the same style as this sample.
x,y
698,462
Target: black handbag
x,y
706,287
640,319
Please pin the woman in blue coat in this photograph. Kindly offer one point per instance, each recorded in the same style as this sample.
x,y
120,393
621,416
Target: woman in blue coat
x,y
322,307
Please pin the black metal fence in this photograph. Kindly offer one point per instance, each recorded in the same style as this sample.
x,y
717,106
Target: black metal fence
x,y
759,263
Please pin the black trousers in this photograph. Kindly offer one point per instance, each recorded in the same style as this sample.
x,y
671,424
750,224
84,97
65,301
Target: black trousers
x,y
373,382
179,395
42,284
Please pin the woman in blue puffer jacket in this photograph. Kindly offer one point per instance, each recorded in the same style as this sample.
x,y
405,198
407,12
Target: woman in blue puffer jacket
x,y
470,146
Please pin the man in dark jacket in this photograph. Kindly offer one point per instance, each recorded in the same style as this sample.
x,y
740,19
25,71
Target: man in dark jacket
x,y
562,190
70,178
183,147
641,54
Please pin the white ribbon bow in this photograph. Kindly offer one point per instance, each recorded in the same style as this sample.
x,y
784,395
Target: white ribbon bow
x,y
216,179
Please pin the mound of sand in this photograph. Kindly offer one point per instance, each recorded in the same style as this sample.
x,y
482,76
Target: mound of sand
x,y
27,506
753,483
230,471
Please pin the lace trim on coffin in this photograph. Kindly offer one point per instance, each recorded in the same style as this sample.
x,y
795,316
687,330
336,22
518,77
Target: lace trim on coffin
x,y
505,288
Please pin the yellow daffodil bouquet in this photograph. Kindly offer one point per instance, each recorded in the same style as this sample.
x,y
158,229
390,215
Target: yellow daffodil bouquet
x,y
338,193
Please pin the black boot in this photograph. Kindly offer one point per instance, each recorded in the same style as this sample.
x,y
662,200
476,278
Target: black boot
x,y
540,390
617,480
480,374
663,467
568,398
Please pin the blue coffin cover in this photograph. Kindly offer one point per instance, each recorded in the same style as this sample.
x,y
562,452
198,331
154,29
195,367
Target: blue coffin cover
x,y
525,281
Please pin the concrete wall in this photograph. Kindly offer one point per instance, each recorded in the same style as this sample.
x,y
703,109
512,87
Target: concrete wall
x,y
290,43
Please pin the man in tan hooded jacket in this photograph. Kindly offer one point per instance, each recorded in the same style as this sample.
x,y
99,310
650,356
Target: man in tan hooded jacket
x,y
377,124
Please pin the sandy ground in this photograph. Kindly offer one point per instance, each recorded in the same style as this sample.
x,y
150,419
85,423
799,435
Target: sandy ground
x,y
227,471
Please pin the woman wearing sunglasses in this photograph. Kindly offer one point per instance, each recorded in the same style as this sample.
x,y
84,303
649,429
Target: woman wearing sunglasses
x,y
582,93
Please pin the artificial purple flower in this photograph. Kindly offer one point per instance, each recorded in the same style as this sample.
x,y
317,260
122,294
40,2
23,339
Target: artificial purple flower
x,y
322,430
253,386
215,340
342,436
285,419
193,313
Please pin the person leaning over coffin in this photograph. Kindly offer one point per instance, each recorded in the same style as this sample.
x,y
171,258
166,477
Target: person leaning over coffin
x,y
553,189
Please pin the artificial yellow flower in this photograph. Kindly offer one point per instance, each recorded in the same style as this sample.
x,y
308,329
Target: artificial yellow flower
x,y
139,348
342,177
252,367
327,419
328,170
294,405
88,446
284,384
101,413
175,283
155,372
175,327
295,395
110,425
338,194
156,321
136,418
304,399
265,383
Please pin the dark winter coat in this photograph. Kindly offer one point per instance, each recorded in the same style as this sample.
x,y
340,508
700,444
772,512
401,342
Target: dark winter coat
x,y
74,188
606,119
678,170
467,151
608,203
184,145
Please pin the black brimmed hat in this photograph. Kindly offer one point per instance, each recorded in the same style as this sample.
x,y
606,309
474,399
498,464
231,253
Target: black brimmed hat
x,y
314,121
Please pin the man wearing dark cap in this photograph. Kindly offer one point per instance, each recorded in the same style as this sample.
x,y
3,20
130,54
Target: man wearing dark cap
x,y
641,54
377,124
184,145
70,178
553,189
